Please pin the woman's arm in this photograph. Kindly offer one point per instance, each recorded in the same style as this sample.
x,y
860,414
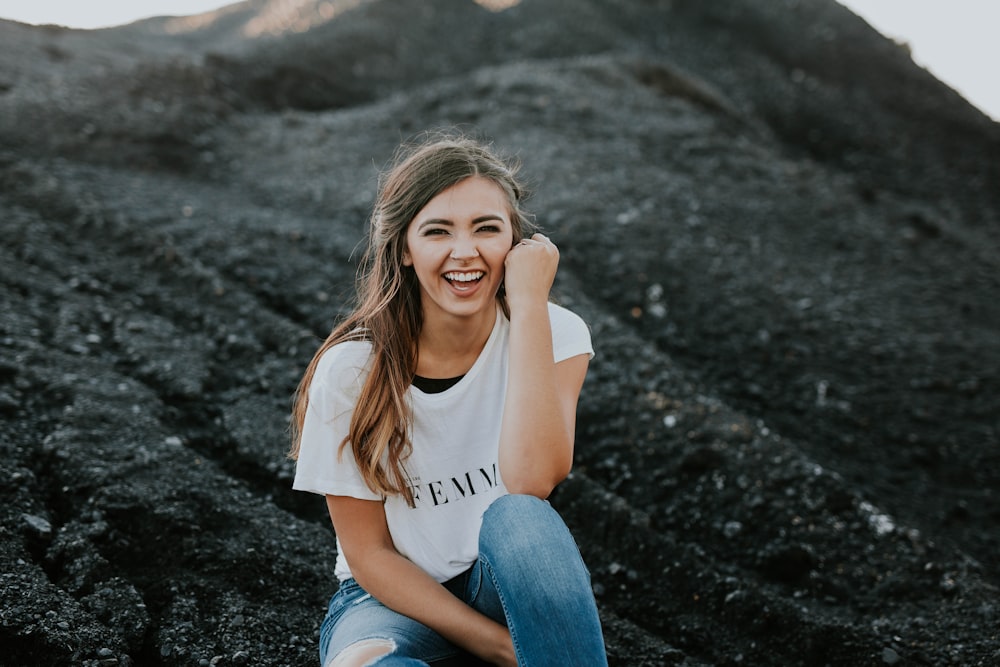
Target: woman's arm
x,y
539,421
403,587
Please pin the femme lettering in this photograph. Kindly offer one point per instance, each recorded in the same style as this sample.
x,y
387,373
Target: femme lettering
x,y
454,489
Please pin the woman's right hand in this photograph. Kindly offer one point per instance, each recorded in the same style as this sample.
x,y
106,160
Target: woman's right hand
x,y
500,651
530,269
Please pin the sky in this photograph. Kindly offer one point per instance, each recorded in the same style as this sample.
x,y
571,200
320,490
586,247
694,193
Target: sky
x,y
955,40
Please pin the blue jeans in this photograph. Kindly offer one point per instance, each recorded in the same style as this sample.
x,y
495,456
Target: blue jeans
x,y
529,576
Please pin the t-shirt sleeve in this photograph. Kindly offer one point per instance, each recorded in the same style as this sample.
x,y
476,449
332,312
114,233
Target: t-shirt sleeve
x,y
570,334
332,393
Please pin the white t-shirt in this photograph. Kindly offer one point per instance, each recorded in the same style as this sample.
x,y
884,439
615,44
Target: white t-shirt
x,y
453,470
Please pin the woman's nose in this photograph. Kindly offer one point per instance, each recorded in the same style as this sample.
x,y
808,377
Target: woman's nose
x,y
464,249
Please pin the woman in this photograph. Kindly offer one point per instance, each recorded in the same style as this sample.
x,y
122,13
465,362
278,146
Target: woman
x,y
437,417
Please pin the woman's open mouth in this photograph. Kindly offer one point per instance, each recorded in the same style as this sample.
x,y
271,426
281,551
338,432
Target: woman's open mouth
x,y
464,280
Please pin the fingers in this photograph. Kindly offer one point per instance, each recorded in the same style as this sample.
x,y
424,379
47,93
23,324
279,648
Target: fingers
x,y
536,238
531,267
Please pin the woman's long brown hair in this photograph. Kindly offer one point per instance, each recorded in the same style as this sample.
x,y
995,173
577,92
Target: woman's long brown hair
x,y
388,311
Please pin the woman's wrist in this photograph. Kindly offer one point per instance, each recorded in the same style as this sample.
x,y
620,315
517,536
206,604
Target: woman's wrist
x,y
528,304
501,647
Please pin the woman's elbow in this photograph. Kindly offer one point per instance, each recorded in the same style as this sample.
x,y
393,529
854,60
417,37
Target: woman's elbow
x,y
540,491
538,484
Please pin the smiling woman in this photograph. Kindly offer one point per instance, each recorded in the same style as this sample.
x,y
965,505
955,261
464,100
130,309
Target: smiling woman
x,y
436,419
457,245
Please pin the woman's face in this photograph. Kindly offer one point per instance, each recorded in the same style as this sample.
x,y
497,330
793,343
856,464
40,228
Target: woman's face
x,y
456,245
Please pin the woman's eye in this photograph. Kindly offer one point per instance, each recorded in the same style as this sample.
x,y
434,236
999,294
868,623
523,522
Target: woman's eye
x,y
491,229
435,232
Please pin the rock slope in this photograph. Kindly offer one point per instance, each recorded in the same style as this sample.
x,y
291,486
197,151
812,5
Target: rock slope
x,y
783,233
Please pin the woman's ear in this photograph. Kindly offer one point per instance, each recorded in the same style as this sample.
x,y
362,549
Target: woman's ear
x,y
407,260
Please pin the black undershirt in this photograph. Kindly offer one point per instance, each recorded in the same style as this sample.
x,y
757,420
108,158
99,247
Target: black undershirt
x,y
434,385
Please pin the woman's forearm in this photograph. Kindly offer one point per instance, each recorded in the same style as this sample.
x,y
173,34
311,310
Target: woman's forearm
x,y
536,438
403,587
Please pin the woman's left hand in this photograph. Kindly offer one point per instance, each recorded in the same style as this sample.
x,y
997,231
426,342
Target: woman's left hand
x,y
530,269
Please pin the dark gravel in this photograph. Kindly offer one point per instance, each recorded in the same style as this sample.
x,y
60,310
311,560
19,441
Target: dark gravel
x,y
783,233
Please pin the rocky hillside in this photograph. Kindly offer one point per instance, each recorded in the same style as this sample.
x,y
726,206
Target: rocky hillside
x,y
784,235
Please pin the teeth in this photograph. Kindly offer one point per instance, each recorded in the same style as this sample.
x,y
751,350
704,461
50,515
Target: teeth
x,y
464,277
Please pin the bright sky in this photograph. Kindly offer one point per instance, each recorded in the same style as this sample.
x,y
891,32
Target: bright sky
x,y
955,40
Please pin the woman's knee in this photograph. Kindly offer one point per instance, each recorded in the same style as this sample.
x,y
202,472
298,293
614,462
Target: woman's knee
x,y
521,525
518,509
374,652
363,652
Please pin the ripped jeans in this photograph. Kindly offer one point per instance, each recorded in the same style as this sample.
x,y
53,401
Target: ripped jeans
x,y
529,576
